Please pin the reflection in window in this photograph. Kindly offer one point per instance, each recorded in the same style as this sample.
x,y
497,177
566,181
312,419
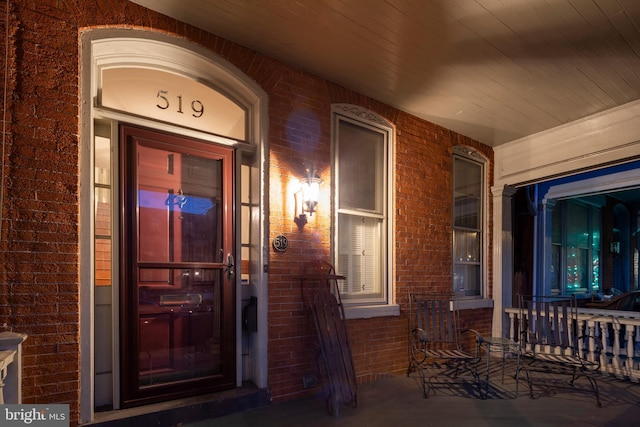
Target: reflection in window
x,y
575,248
102,205
468,208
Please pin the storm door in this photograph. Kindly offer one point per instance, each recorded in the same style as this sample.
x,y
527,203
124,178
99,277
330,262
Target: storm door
x,y
177,300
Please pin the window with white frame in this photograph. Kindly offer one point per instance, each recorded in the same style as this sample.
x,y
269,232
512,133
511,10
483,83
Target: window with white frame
x,y
575,248
469,201
362,164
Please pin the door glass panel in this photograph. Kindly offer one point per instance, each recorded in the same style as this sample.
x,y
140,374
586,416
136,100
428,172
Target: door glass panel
x,y
180,271
179,202
180,327
102,159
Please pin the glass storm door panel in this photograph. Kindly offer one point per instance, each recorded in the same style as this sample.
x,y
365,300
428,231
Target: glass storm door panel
x,y
178,296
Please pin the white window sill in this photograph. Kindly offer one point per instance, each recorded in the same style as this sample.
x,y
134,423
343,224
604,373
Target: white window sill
x,y
473,303
369,311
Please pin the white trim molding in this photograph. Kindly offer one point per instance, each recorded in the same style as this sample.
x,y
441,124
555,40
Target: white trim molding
x,y
502,257
602,139
596,185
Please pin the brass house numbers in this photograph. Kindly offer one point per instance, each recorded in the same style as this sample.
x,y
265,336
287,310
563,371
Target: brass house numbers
x,y
197,108
172,98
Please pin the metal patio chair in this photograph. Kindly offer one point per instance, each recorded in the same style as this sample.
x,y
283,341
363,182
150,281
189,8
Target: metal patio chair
x,y
553,342
437,344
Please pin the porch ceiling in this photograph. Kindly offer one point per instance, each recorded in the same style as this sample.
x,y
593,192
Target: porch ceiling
x,y
491,70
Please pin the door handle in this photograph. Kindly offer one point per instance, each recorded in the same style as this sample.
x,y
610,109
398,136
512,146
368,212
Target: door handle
x,y
230,266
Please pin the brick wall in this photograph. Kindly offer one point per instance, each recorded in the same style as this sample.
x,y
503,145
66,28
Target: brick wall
x,y
39,239
40,226
423,228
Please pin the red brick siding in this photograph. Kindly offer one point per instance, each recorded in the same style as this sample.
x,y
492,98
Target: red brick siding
x,y
39,241
40,228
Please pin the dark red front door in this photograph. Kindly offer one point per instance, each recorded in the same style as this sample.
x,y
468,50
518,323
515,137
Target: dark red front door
x,y
177,293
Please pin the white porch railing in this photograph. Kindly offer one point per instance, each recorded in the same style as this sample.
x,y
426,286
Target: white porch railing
x,y
11,366
619,332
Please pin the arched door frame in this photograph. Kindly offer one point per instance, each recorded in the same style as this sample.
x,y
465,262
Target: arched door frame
x,y
111,47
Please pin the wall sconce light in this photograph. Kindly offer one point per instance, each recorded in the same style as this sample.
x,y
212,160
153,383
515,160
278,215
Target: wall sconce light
x,y
307,197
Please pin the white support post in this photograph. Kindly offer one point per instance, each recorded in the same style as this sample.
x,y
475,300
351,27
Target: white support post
x,y
502,257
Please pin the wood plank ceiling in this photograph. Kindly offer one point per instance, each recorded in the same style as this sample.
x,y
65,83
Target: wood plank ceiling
x,y
494,70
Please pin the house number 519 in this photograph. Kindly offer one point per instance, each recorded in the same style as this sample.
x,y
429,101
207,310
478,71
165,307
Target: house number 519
x,y
163,103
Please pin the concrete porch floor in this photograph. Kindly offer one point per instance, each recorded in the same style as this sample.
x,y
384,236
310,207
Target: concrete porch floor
x,y
397,401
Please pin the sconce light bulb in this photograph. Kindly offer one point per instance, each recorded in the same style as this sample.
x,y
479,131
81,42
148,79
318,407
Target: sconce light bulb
x,y
307,197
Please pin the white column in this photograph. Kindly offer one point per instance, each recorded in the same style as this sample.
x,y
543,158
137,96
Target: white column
x,y
502,258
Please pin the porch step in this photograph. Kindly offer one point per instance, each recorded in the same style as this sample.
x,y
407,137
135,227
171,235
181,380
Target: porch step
x,y
188,410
